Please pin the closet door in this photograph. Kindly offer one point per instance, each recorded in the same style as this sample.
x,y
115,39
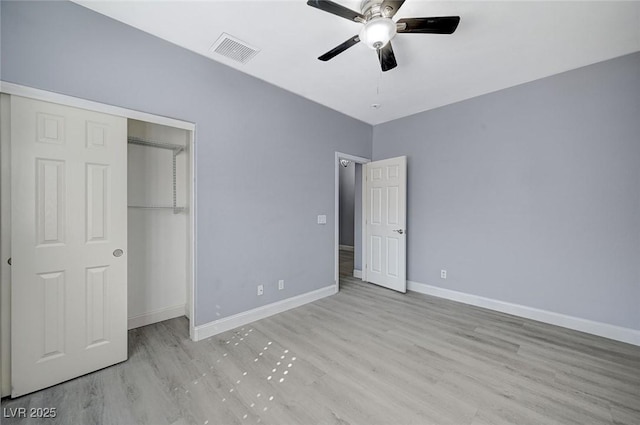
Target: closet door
x,y
68,240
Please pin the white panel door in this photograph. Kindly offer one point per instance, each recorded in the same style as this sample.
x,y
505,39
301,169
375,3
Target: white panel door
x,y
69,221
386,217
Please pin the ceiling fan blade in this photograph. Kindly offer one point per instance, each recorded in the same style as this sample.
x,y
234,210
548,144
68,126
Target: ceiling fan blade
x,y
336,9
387,58
339,49
390,7
437,25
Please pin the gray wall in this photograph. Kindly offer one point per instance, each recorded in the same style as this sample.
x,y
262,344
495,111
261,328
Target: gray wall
x,y
265,157
530,195
347,185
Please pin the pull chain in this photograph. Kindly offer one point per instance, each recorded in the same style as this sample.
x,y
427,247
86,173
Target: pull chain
x,y
376,105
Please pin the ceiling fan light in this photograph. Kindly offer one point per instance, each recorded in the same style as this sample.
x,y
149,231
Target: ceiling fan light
x,y
378,32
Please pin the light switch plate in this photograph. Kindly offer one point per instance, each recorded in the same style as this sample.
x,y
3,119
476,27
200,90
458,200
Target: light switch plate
x,y
322,219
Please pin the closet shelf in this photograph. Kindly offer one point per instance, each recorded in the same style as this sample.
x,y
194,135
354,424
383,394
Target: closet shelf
x,y
157,207
161,145
153,144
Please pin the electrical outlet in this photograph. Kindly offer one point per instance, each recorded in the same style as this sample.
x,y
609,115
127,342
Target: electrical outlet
x,y
280,285
443,274
260,289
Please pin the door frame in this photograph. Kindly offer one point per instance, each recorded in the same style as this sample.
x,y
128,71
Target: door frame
x,y
336,254
5,200
5,248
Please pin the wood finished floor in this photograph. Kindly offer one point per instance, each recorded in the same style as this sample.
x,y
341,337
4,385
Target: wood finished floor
x,y
364,356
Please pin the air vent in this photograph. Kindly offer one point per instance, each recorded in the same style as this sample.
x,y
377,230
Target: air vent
x,y
233,48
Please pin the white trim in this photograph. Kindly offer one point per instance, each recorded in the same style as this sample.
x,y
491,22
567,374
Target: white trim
x,y
191,273
336,220
352,158
345,248
357,273
5,247
241,319
618,333
363,221
76,102
156,316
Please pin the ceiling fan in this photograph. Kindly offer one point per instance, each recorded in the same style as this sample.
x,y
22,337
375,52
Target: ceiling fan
x,y
379,28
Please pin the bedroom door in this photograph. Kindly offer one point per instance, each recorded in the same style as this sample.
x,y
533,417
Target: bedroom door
x,y
385,227
68,243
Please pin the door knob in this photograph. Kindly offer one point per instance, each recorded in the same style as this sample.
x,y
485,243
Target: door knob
x,y
399,231
118,253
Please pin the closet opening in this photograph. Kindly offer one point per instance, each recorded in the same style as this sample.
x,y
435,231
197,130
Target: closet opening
x,y
159,225
103,198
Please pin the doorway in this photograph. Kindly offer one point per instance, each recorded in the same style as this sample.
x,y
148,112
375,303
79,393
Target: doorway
x,y
349,216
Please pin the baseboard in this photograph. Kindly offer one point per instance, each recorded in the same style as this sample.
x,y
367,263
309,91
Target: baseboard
x,y
345,248
241,319
156,316
357,273
618,333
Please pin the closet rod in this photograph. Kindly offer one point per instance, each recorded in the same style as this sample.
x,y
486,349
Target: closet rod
x,y
152,144
157,207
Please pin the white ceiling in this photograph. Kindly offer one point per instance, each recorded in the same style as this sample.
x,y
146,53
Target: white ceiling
x,y
498,44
